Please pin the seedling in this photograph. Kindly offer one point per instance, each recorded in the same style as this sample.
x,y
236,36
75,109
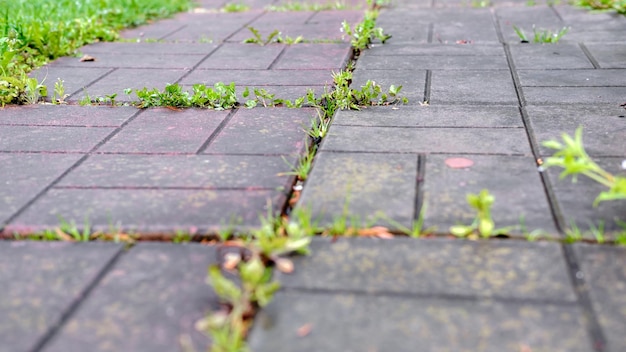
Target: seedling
x,y
220,97
481,3
541,35
572,157
417,227
319,127
59,92
305,6
235,7
364,32
618,6
304,165
483,223
274,37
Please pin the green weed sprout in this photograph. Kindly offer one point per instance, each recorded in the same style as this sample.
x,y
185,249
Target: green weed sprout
x,y
483,222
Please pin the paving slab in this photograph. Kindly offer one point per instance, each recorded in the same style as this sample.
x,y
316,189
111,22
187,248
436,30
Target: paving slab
x,y
412,81
608,55
310,32
314,57
51,138
41,281
605,272
264,131
435,49
243,56
180,171
148,210
604,131
549,56
334,18
433,62
513,180
75,79
575,200
148,301
453,25
278,19
25,175
127,60
66,115
574,95
435,267
148,48
573,78
162,130
366,184
210,27
254,77
432,116
383,323
154,31
418,32
472,87
427,140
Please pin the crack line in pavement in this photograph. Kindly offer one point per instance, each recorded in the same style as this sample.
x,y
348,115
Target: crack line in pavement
x,y
590,57
217,131
429,75
84,88
419,186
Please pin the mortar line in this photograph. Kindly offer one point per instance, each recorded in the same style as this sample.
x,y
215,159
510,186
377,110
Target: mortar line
x,y
245,25
427,85
277,58
556,13
217,131
172,32
194,67
81,297
590,57
431,30
84,89
419,186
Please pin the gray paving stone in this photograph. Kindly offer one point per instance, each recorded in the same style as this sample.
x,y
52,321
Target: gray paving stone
x,y
549,56
261,77
382,323
604,131
513,181
162,130
541,17
435,267
51,138
120,79
143,48
151,299
608,55
310,32
581,34
264,131
605,273
40,282
427,140
574,95
412,81
212,27
413,32
433,62
452,25
128,60
282,18
575,200
366,183
572,78
66,115
147,210
243,56
334,18
75,79
452,49
153,31
180,171
472,86
432,116
314,57
25,175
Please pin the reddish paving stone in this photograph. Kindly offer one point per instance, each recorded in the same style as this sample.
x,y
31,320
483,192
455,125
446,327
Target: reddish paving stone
x,y
412,81
472,87
180,171
112,60
285,92
156,30
436,49
75,79
120,79
314,57
148,210
261,77
23,176
150,48
279,19
66,115
433,62
51,138
242,56
214,27
264,131
162,130
335,18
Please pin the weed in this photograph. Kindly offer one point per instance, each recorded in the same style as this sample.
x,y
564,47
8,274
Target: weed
x,y
620,237
364,32
235,7
304,165
59,92
481,3
220,97
417,227
483,223
572,157
541,35
573,233
371,93
274,37
618,6
306,6
181,236
319,127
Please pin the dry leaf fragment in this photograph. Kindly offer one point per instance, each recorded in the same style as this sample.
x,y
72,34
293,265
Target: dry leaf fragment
x,y
63,236
231,260
376,231
87,58
459,163
305,329
284,265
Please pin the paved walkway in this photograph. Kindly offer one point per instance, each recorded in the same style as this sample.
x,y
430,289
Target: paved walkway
x,y
490,99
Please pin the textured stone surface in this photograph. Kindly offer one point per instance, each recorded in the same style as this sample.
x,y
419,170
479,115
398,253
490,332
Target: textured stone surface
x,y
366,183
472,86
549,56
430,62
412,82
609,55
66,115
574,95
40,282
125,60
148,301
435,49
314,57
250,77
150,48
242,56
51,138
74,79
514,181
573,78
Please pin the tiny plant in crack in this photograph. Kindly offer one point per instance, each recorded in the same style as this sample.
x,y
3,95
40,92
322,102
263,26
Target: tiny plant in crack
x,y
541,35
364,32
273,37
483,223
219,97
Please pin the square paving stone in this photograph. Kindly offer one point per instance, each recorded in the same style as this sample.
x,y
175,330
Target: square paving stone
x,y
366,183
143,48
75,79
513,181
51,138
576,199
148,301
433,62
157,30
412,81
120,79
572,78
148,210
432,116
604,131
582,34
549,56
180,171
609,55
605,273
427,140
314,57
384,323
261,77
66,115
453,49
435,268
412,33
472,86
526,18
40,282
125,60
574,95
243,56
213,27
162,130
264,131
23,176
